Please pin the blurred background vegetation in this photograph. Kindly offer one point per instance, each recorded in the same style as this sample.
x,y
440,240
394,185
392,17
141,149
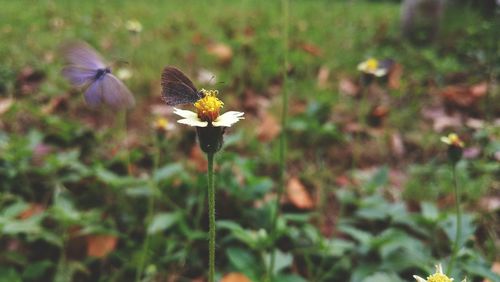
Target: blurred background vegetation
x,y
368,194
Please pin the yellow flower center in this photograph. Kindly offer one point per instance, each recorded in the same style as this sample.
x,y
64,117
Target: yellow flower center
x,y
439,277
161,123
208,107
371,64
455,140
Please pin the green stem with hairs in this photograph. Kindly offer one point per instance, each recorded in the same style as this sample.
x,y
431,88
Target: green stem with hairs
x,y
282,140
211,215
456,245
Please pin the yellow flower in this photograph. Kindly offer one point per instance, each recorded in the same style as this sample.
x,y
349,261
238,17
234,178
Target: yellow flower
x,y
208,112
373,66
453,140
208,107
439,276
162,124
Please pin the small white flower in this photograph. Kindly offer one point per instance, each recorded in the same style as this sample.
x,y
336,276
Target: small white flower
x,y
124,73
192,119
133,26
439,276
374,67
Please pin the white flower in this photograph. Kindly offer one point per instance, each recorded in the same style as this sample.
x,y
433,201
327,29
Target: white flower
x,y
439,276
133,26
374,67
192,119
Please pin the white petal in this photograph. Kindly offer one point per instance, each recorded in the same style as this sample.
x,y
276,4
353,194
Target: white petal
x,y
193,122
419,279
185,113
439,268
229,118
362,66
380,72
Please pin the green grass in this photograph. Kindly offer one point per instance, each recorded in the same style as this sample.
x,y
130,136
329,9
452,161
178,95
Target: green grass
x,y
371,226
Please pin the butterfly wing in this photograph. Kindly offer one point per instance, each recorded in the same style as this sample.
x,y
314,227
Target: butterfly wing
x,y
177,88
79,76
82,55
115,93
94,93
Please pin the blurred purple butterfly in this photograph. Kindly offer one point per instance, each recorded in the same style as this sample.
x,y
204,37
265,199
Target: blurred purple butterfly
x,y
86,69
177,88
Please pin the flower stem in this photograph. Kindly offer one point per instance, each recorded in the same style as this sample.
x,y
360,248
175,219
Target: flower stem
x,y
211,215
282,144
456,246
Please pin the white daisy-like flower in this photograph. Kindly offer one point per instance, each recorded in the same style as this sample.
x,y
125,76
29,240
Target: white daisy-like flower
x,y
439,276
133,26
374,67
192,119
208,110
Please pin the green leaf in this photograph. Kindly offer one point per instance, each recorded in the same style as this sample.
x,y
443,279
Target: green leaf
x,y
167,172
361,236
382,277
429,211
243,261
289,278
281,261
9,275
450,227
162,221
28,226
481,270
36,269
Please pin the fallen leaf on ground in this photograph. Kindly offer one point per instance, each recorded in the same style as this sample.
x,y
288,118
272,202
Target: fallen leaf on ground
x,y
298,195
394,77
100,245
198,158
495,268
5,105
377,115
348,87
32,210
397,145
463,95
55,104
222,51
490,204
235,277
311,49
29,79
441,120
269,128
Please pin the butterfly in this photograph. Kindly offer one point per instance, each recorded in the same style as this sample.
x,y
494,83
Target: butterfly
x,y
86,69
177,88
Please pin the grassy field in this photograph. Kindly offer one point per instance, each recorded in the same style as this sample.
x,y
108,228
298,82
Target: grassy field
x,y
99,195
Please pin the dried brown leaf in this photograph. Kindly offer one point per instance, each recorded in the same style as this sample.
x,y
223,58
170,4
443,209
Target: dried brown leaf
x,y
100,245
349,87
464,96
298,195
198,158
221,51
235,277
311,49
33,209
269,128
5,105
322,78
394,77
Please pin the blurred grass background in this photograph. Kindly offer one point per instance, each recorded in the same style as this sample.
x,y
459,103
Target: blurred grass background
x,y
378,213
